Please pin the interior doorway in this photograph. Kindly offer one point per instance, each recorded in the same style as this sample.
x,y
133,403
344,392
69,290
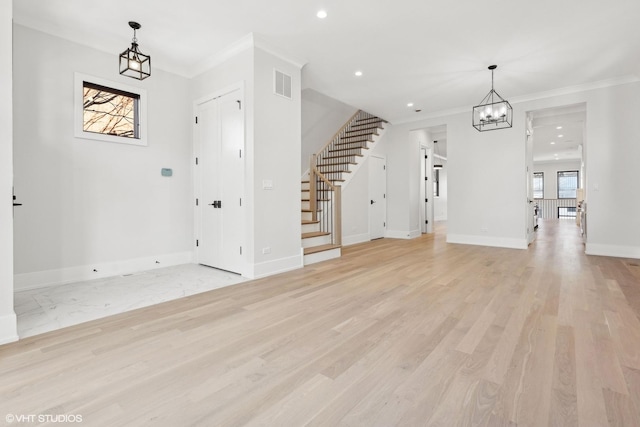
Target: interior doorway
x,y
555,168
433,179
219,176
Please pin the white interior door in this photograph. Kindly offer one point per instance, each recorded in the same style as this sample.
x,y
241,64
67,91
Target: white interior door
x,y
377,197
220,182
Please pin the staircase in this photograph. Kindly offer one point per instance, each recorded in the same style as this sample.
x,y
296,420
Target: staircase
x,y
330,170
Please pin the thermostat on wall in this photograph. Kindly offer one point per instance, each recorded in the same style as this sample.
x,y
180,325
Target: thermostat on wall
x,y
166,172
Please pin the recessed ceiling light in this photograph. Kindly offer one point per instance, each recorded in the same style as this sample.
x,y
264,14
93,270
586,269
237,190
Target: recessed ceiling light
x,y
410,104
552,143
321,14
358,73
559,127
560,136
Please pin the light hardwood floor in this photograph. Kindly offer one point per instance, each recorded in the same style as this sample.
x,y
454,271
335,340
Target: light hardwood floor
x,y
396,332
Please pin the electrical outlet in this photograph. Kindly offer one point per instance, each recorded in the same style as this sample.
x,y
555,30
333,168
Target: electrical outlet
x,y
266,250
484,229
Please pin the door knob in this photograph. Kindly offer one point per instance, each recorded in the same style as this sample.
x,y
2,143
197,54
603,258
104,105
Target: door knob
x,y
372,202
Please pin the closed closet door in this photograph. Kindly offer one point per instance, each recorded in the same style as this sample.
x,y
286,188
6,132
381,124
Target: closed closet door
x,y
219,135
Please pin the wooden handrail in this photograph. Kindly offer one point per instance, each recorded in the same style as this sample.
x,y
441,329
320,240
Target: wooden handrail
x,y
324,178
344,126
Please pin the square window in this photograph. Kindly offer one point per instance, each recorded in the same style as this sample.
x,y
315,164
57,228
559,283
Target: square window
x,y
109,111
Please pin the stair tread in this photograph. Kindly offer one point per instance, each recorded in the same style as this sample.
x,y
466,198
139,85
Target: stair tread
x,y
347,149
363,129
365,137
308,221
320,200
309,210
321,248
345,155
337,163
315,234
378,119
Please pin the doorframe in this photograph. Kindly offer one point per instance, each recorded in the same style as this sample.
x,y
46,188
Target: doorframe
x,y
197,190
426,190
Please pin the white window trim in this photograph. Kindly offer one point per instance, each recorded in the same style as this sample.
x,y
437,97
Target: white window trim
x,y
79,132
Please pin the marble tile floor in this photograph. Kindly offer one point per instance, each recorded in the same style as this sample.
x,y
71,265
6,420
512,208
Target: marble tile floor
x,y
47,309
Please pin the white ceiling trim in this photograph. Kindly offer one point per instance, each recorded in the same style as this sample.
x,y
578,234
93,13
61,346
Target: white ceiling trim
x,y
249,41
261,44
240,45
531,97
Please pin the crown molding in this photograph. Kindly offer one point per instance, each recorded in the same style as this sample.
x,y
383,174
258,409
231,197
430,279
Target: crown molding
x,y
616,81
240,45
259,43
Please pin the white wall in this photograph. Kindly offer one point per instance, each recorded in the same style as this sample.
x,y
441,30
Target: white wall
x,y
277,151
399,152
613,148
322,116
8,331
355,207
550,170
90,204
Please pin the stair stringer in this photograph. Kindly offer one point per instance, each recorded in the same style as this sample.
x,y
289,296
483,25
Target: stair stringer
x,y
360,160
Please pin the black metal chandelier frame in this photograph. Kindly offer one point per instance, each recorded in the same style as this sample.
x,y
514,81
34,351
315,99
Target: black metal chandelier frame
x,y
134,63
494,112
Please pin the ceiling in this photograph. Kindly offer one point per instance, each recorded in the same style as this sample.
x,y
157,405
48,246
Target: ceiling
x,y
432,54
558,133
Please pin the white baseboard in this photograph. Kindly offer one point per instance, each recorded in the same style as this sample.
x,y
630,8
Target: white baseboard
x,y
613,250
398,234
41,279
8,328
498,242
280,265
355,239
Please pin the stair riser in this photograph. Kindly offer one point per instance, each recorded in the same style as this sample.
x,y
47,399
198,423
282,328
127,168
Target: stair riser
x,y
306,205
334,169
322,256
305,186
316,241
310,228
306,216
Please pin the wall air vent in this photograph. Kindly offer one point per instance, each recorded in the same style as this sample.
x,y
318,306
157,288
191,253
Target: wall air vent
x,y
282,84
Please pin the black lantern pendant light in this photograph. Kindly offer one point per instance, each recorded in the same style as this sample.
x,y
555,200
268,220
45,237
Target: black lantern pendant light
x,y
436,156
494,112
134,63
